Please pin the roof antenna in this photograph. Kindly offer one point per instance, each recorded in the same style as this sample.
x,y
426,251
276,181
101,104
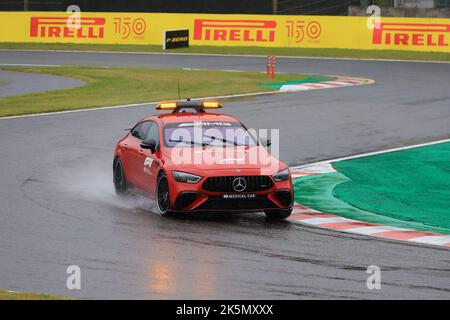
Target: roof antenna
x,y
179,90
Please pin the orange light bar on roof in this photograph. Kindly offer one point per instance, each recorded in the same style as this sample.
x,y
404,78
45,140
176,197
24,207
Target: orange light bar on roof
x,y
166,106
211,105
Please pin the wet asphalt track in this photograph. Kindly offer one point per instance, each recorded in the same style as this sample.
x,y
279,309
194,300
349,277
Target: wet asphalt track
x,y
58,207
14,83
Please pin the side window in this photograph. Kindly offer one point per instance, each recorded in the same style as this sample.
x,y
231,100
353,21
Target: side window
x,y
135,130
143,131
153,133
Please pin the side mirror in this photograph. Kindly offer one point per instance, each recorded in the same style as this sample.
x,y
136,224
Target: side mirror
x,y
265,142
149,144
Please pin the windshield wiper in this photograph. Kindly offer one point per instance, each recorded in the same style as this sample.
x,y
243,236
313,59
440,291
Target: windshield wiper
x,y
203,144
225,141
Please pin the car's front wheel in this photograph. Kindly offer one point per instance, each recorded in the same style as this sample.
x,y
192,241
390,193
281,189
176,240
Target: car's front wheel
x,y
278,214
162,195
120,184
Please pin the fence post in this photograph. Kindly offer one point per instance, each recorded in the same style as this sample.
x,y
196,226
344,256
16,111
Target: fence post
x,y
274,68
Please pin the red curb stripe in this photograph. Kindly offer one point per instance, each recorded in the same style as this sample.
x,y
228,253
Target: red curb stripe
x,y
313,85
346,225
405,235
333,84
303,173
402,235
350,81
309,215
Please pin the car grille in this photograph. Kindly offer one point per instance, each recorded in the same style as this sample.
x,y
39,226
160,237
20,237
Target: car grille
x,y
218,203
225,184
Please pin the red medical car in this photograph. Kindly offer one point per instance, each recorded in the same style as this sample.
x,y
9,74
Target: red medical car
x,y
191,160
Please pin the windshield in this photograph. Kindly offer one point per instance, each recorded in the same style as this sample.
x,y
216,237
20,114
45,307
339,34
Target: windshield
x,y
201,133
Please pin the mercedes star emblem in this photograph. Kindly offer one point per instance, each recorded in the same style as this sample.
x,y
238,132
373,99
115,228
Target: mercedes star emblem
x,y
239,184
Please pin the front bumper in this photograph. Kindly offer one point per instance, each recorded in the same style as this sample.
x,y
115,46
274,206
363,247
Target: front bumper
x,y
193,197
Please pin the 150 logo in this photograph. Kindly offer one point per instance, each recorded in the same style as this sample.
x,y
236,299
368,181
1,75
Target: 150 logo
x,y
128,26
297,29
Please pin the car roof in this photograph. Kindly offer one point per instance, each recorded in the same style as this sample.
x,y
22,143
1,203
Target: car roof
x,y
191,117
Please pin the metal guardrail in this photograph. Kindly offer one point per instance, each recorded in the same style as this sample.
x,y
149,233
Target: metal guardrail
x,y
443,3
314,7
280,6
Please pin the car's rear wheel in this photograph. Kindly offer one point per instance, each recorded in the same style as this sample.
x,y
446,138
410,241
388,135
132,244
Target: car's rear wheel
x,y
162,195
278,214
120,184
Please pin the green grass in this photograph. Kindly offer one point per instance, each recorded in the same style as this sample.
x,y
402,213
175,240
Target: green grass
x,y
310,52
116,86
8,295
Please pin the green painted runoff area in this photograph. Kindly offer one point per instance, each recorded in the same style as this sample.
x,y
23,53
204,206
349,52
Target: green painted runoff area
x,y
306,79
408,189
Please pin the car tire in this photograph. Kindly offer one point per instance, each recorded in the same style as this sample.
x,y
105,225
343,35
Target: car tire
x,y
120,183
278,214
162,195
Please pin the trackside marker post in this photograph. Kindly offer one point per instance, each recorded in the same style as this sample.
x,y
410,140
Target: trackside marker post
x,y
274,61
271,66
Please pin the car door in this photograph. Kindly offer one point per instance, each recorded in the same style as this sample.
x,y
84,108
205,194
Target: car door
x,y
128,147
150,161
135,153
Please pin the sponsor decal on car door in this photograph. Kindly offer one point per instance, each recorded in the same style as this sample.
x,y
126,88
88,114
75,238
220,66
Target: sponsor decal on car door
x,y
149,162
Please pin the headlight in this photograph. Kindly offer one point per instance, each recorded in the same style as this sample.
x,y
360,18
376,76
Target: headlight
x,y
282,175
180,176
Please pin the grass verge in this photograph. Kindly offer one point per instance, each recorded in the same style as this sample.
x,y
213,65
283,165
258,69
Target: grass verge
x,y
306,52
9,295
116,86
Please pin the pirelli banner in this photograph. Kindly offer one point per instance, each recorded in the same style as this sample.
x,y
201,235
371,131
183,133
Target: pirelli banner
x,y
228,30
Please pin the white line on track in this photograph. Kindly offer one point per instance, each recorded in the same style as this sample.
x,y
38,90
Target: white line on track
x,y
223,70
29,65
362,155
226,55
137,105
